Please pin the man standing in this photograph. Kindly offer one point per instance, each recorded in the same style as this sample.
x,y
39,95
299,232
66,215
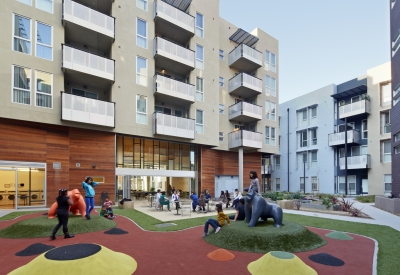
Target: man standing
x,y
236,198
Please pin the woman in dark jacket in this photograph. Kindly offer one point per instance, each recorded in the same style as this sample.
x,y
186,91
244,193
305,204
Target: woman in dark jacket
x,y
223,197
64,202
228,198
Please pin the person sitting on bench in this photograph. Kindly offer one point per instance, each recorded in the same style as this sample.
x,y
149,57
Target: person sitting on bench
x,y
201,203
175,199
165,201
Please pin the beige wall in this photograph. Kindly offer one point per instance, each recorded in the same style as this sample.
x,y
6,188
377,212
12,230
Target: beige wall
x,y
376,76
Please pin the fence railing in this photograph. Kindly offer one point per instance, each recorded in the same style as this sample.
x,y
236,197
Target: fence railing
x,y
356,162
245,51
245,138
355,108
339,138
246,80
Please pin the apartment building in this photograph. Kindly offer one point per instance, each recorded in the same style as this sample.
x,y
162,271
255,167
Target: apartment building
x,y
336,133
139,95
395,119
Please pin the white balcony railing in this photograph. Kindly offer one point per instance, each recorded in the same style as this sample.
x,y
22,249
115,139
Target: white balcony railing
x,y
88,18
353,136
247,81
387,129
246,52
243,138
173,126
355,108
168,86
356,162
173,51
87,110
174,15
245,109
88,63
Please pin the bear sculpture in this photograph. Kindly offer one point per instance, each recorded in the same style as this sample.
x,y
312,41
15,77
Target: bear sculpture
x,y
256,207
79,207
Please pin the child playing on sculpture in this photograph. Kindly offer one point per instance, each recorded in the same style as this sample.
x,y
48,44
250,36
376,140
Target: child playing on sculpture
x,y
106,213
216,224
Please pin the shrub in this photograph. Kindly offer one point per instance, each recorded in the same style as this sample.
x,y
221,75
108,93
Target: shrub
x,y
297,204
346,205
355,212
327,202
366,199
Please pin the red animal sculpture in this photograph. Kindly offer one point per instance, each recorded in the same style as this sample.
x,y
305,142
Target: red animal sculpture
x,y
79,206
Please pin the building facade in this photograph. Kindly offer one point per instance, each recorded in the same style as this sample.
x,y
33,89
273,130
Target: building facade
x,y
139,95
395,118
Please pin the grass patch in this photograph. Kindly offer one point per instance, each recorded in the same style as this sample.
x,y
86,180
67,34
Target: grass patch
x,y
42,227
291,237
14,215
366,199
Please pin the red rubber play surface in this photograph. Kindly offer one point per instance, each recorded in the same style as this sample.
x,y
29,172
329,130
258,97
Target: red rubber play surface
x,y
185,252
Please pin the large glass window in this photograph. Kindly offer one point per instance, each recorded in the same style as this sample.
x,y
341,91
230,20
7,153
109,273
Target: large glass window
x,y
44,97
270,136
387,181
303,138
46,5
44,41
270,110
141,109
314,138
199,57
141,4
270,61
387,151
277,184
314,159
385,122
386,91
199,89
270,86
21,85
199,25
141,33
199,122
221,81
221,54
22,34
141,71
364,129
277,162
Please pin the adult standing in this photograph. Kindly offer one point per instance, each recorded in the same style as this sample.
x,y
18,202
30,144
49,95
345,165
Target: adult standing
x,y
158,196
228,198
63,204
88,185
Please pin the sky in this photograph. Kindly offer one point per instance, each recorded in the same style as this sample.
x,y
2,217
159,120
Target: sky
x,y
320,42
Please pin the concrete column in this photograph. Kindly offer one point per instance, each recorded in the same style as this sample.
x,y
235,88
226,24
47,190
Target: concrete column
x,y
241,169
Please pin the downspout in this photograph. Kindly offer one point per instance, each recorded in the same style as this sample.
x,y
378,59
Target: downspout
x,y
288,176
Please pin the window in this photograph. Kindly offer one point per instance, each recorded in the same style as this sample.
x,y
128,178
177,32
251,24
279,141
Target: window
x,y
141,109
270,110
270,61
270,136
313,112
199,122
277,184
199,57
277,162
358,150
314,138
314,184
221,136
364,129
221,54
21,85
221,108
141,33
303,138
386,91
44,41
342,184
22,34
387,181
199,25
301,160
46,5
397,137
44,89
302,185
351,180
387,151
141,4
178,113
199,89
385,122
84,93
141,71
397,150
221,81
28,2
314,159
304,115
270,86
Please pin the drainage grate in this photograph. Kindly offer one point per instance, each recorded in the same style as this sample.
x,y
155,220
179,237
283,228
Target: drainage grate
x,y
165,225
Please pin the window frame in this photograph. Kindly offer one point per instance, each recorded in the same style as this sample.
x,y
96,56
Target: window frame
x,y
221,136
146,4
276,184
36,90
316,112
198,28
44,45
385,182
52,6
363,130
200,124
270,136
277,162
199,60
221,54
396,137
18,37
202,87
273,62
314,163
396,149
389,95
302,140
139,35
221,81
138,73
17,88
386,154
314,138
139,112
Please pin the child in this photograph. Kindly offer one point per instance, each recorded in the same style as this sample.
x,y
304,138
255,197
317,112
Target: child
x,y
106,214
108,204
216,224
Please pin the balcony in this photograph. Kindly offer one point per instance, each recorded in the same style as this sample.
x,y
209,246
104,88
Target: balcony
x,y
387,129
266,169
87,110
356,108
245,139
245,59
356,162
172,57
173,126
88,26
245,85
172,22
245,112
88,63
172,91
353,136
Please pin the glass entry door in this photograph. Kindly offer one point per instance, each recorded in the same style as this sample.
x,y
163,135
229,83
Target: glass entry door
x,y
7,189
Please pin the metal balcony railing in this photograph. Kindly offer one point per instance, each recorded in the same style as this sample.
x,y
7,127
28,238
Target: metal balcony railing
x,y
243,138
169,125
174,88
355,108
174,15
353,136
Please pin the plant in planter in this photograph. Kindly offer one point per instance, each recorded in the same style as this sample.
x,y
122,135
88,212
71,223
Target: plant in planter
x,y
355,212
327,202
297,204
346,205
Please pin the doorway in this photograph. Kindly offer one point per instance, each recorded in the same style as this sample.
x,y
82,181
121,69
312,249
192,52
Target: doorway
x,y
364,186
